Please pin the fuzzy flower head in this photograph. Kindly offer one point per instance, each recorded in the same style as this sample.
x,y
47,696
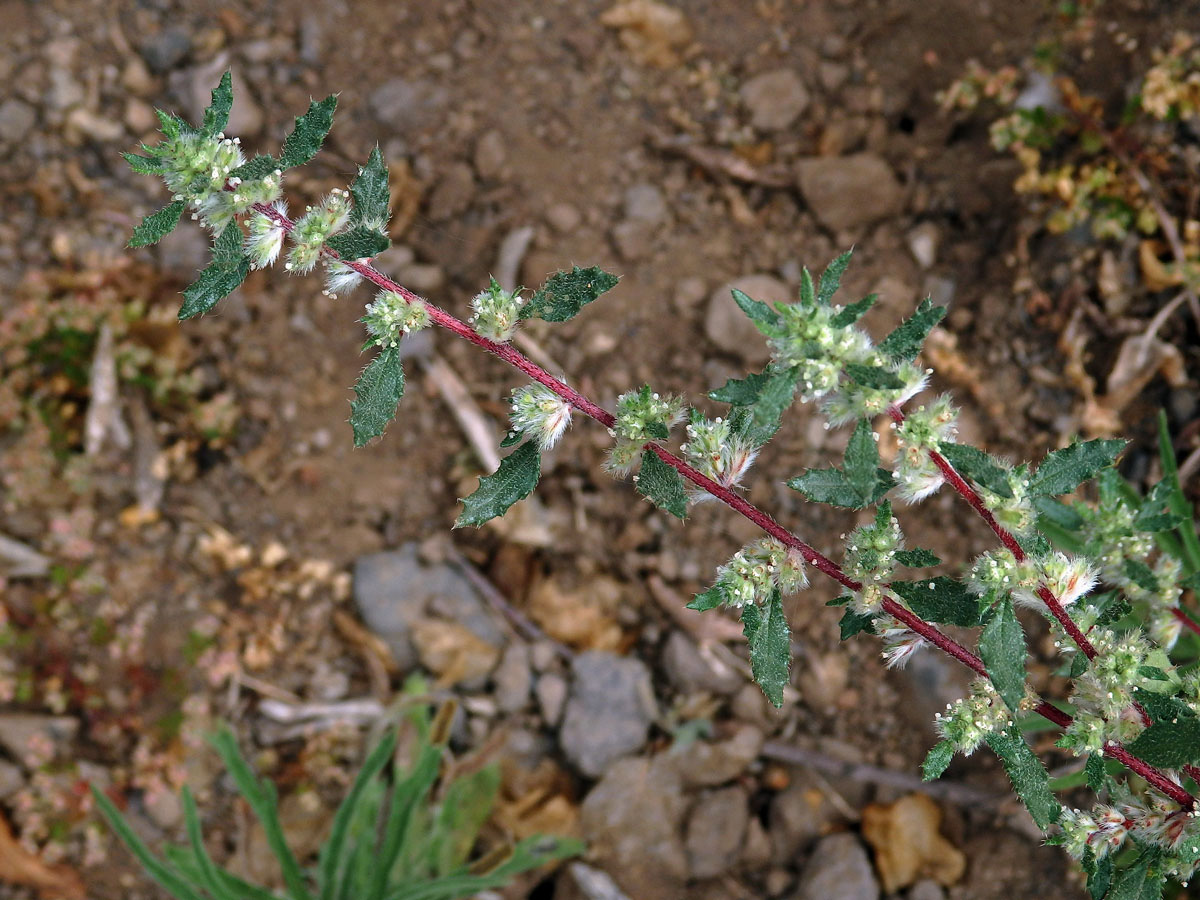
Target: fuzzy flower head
x,y
198,166
1015,513
390,316
265,239
718,450
495,312
1165,627
644,415
900,644
1067,577
871,549
889,384
808,337
315,227
540,413
969,721
339,278
758,569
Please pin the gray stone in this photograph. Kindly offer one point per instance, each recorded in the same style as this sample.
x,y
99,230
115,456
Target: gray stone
x,y
163,808
11,779
406,105
926,889
774,99
564,217
166,49
839,869
689,671
394,590
35,739
708,764
730,328
798,815
453,192
715,829
490,154
645,203
631,822
849,191
609,711
634,239
513,678
64,91
551,693
16,120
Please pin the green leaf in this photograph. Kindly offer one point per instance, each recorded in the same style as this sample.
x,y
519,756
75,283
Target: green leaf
x,y
143,165
1178,502
741,392
376,396
157,225
1097,775
1141,575
766,411
171,125
1058,513
208,872
917,558
371,192
770,646
308,134
1170,744
937,760
862,460
973,463
514,480
216,117
1140,881
833,487
710,599
1064,470
808,296
155,868
905,342
662,485
764,318
260,167
1002,649
221,277
876,377
852,312
940,599
565,293
831,278
359,242
465,806
1099,873
852,623
1027,774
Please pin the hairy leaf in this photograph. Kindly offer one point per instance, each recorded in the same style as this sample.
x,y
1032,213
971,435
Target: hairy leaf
x,y
221,277
973,463
1002,649
917,558
741,392
371,192
1178,503
940,599
766,411
216,117
1064,470
309,133
359,242
157,225
937,760
862,460
257,168
764,318
1097,774
143,165
1099,873
831,278
905,342
1142,880
565,293
808,296
770,646
170,124
710,599
662,485
514,480
852,312
1141,575
852,623
874,377
1027,774
1058,513
833,487
1171,744
377,395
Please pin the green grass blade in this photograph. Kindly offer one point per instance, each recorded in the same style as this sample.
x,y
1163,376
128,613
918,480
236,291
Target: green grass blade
x,y
407,795
209,876
155,868
1178,503
331,853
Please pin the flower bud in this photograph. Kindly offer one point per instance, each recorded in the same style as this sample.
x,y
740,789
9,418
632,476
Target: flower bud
x,y
540,413
495,312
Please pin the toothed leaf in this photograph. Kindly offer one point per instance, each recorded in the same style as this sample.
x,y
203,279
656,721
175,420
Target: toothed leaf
x,y
309,133
1027,774
940,599
566,293
1064,470
862,460
216,117
905,342
770,646
741,391
221,277
157,225
256,169
973,463
874,377
852,312
143,165
376,396
853,623
514,480
1002,649
371,192
831,278
917,558
1170,743
937,760
662,485
710,599
359,243
764,318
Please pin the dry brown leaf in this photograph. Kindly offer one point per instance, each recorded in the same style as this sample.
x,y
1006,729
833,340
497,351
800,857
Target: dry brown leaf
x,y
583,618
908,845
19,866
651,31
1156,275
453,652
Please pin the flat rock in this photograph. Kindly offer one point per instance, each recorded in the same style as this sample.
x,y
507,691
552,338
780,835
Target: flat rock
x,y
730,328
34,739
631,821
774,99
404,105
838,869
849,191
453,192
716,828
710,763
394,591
513,678
609,711
166,49
16,119
690,671
645,202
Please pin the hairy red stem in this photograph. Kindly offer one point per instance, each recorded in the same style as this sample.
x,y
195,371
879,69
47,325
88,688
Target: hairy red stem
x,y
731,499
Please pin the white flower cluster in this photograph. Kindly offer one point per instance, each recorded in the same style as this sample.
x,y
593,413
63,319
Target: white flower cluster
x,y
718,450
923,429
495,312
390,316
969,721
540,413
759,568
642,415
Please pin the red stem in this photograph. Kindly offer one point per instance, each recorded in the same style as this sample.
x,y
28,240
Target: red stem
x,y
731,499
1188,622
